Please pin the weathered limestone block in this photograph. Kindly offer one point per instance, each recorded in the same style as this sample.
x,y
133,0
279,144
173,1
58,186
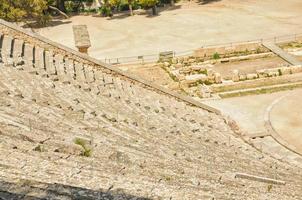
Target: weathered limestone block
x,y
202,68
205,91
242,77
217,78
99,76
285,70
175,73
89,73
28,53
296,69
185,70
108,79
174,60
210,72
180,60
17,53
191,60
261,73
235,75
178,65
29,57
190,79
70,71
6,49
79,72
49,63
59,63
181,77
167,64
272,73
39,58
251,76
172,67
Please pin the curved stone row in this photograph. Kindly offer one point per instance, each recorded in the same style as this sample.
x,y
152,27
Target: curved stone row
x,y
141,142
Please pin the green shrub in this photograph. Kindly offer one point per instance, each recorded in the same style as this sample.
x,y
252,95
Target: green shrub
x,y
86,150
216,56
280,72
106,11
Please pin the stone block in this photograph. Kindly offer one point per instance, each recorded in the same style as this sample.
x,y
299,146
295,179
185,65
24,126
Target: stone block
x,y
242,77
235,75
89,74
29,58
79,72
39,58
17,53
285,70
196,78
272,73
185,70
217,78
178,65
205,91
198,67
166,64
296,69
174,60
175,73
210,72
59,63
191,60
251,76
6,49
49,63
70,71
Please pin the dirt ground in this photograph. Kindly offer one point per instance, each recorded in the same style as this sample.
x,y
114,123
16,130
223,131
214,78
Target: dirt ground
x,y
248,66
153,74
187,26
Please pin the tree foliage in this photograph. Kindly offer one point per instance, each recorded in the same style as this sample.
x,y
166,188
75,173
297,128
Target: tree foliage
x,y
18,10
148,3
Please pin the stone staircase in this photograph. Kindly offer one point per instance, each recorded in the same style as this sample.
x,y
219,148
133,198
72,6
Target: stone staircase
x,y
146,142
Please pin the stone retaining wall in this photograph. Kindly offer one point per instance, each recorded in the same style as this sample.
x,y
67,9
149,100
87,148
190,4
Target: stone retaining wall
x,y
229,50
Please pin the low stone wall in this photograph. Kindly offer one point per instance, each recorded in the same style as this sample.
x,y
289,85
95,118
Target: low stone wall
x,y
264,73
231,86
224,51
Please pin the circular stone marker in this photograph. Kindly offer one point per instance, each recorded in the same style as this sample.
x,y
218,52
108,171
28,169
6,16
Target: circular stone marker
x,y
286,120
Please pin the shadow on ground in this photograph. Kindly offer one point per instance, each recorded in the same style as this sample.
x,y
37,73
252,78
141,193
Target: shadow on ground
x,y
33,190
204,2
49,24
147,13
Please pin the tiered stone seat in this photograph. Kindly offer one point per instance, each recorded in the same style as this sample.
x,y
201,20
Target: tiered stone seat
x,y
145,142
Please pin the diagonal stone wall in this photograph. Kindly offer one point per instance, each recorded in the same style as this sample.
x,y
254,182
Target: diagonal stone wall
x,y
47,57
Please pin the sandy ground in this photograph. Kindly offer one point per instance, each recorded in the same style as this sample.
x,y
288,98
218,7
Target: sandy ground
x,y
250,111
188,26
248,66
153,74
286,118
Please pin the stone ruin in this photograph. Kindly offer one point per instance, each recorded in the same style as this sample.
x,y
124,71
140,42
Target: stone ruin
x,y
196,74
74,128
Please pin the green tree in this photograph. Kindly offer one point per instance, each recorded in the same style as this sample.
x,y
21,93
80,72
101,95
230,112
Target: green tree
x,y
130,2
150,4
21,10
